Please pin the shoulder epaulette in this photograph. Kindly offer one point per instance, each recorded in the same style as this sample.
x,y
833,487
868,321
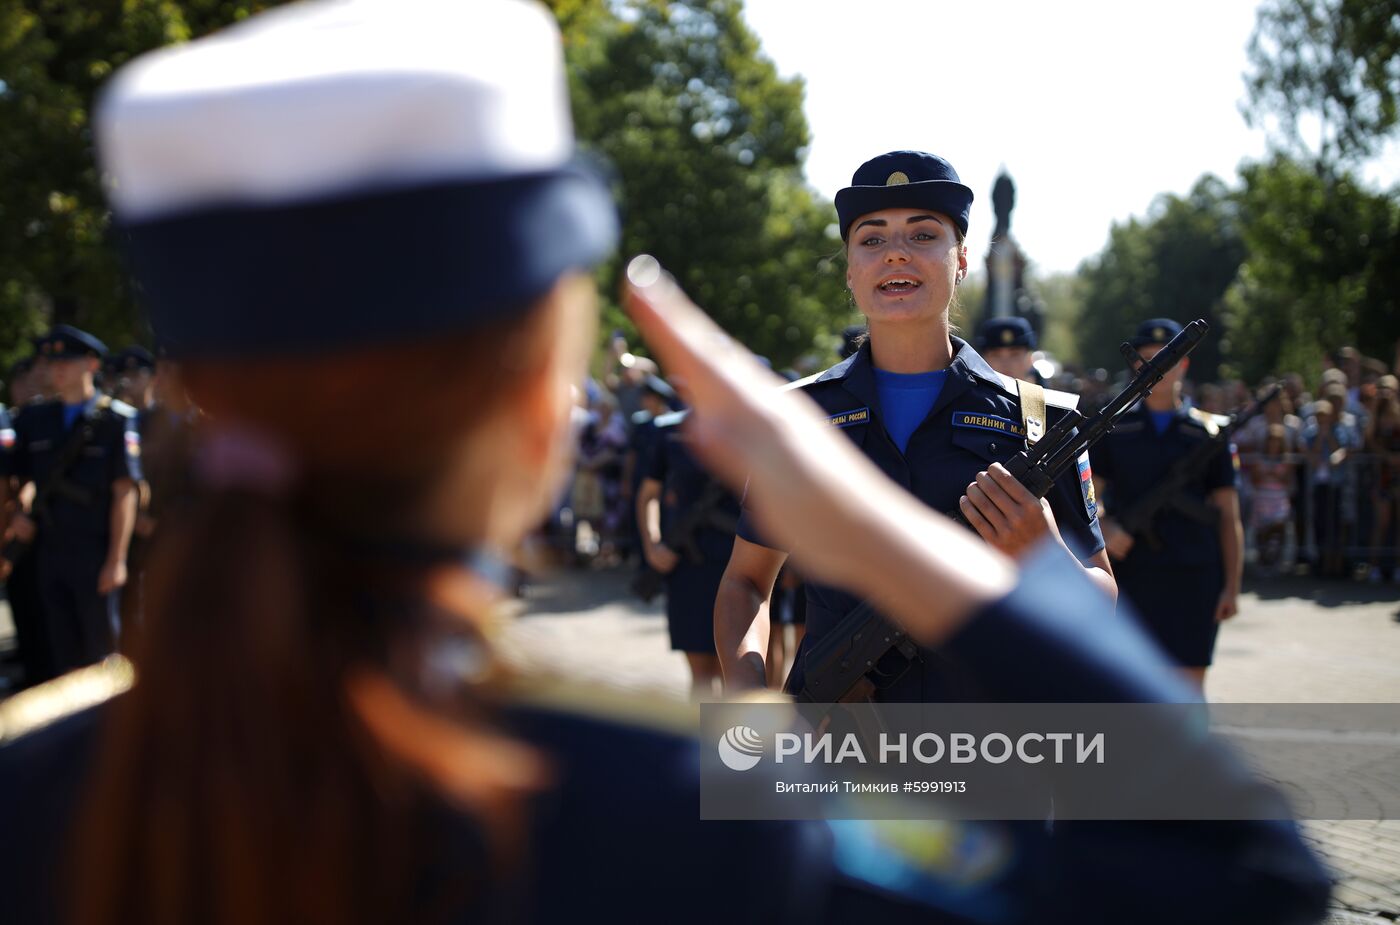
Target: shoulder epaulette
x,y
1211,422
799,383
47,703
119,407
671,419
648,709
1053,398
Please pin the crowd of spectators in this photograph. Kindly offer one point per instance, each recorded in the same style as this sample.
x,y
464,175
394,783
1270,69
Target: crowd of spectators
x,y
1320,465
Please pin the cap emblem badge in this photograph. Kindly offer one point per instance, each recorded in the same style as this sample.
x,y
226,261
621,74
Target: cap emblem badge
x,y
898,178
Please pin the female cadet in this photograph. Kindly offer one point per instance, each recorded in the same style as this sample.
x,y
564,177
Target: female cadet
x,y
1183,580
318,733
924,406
687,523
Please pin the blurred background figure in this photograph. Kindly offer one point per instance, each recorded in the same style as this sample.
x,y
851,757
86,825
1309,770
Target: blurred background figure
x,y
1008,344
1182,569
1271,511
75,467
687,521
132,377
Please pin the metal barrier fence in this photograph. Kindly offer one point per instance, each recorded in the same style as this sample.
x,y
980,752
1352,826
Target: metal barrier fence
x,y
1352,509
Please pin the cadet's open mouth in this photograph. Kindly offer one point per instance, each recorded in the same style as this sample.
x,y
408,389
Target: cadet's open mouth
x,y
900,284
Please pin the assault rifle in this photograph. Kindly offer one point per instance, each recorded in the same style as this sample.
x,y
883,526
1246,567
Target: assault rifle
x,y
1170,492
683,537
58,483
865,651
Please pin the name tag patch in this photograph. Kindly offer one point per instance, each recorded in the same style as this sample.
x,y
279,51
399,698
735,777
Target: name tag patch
x,y
980,421
849,418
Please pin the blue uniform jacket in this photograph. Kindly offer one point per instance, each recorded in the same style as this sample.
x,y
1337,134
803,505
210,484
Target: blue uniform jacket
x,y
975,422
619,837
683,483
1134,459
113,453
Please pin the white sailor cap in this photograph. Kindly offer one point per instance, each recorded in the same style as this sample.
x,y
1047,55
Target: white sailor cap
x,y
349,172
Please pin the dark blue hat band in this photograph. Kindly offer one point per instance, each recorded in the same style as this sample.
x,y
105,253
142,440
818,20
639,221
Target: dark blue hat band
x,y
66,342
1155,331
1006,332
904,180
365,270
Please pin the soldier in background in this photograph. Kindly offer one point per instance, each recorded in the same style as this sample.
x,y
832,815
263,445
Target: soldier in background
x,y
81,454
132,376
687,523
1184,581
1008,344
28,385
168,428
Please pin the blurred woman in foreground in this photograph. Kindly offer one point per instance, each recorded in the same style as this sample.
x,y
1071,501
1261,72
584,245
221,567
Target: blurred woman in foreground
x,y
358,226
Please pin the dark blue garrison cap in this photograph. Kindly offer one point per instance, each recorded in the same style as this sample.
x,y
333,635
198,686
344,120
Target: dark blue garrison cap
x,y
331,176
1013,331
133,358
1155,331
66,342
904,180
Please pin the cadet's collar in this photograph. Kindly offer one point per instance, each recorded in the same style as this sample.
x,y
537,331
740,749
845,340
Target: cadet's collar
x,y
968,361
843,369
967,364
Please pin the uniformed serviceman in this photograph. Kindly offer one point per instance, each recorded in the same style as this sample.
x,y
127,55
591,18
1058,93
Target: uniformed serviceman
x,y
317,735
687,522
28,386
133,377
1184,580
81,453
921,403
1007,344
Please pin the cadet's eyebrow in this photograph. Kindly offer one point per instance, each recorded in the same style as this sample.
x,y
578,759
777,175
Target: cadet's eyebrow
x,y
881,223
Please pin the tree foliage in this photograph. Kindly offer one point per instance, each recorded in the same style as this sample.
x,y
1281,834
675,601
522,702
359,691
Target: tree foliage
x,y
707,142
1322,270
1333,61
705,139
56,262
1178,263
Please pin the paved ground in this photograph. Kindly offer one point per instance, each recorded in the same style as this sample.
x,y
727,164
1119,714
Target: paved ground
x,y
1295,641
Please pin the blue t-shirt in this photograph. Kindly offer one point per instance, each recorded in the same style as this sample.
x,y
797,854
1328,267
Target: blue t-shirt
x,y
905,400
72,412
1161,420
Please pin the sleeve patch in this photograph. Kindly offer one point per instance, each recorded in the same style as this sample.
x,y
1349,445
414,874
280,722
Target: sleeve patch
x,y
1086,485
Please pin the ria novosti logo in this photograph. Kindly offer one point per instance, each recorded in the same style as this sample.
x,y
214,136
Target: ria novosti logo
x,y
740,748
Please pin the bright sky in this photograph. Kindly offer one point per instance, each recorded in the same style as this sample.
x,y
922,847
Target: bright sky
x,y
1093,107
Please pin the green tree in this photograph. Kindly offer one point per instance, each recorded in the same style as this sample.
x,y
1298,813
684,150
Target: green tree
x,y
1177,263
1333,61
56,260
707,143
1322,271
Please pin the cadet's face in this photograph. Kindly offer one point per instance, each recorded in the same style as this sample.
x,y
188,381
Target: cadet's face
x,y
67,373
1009,361
902,264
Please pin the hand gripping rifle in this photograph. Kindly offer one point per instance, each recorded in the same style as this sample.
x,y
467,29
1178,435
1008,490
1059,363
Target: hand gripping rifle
x,y
865,651
684,536
58,483
1171,491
